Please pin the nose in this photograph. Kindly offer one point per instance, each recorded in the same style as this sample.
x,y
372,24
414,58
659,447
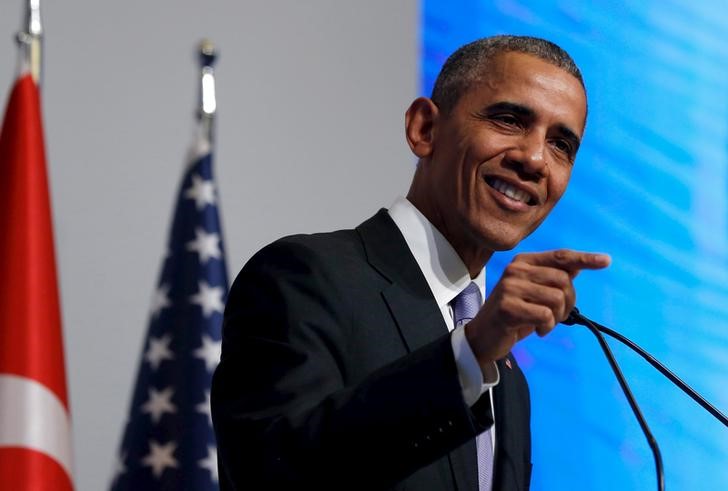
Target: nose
x,y
529,156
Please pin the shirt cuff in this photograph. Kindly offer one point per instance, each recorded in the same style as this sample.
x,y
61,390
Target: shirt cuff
x,y
473,381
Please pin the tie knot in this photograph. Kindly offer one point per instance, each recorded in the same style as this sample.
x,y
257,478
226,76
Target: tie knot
x,y
466,304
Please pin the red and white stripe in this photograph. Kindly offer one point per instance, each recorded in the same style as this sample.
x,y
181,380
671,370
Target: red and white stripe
x,y
35,428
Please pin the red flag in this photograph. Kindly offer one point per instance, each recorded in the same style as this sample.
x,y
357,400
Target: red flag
x,y
35,430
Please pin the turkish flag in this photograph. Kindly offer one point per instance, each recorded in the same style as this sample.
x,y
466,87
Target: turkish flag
x,y
35,429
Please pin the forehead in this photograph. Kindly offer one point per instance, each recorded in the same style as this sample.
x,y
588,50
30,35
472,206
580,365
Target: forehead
x,y
551,92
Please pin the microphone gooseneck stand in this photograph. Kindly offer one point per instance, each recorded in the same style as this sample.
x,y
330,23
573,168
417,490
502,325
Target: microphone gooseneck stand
x,y
576,318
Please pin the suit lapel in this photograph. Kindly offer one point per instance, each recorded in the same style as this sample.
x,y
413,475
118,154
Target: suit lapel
x,y
505,433
415,312
408,296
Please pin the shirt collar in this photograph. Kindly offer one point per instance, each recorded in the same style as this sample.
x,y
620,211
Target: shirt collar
x,y
443,269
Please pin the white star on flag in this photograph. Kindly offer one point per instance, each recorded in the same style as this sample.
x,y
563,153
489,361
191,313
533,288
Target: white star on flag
x,y
158,351
202,191
206,245
160,457
209,298
209,352
160,300
159,403
210,463
204,407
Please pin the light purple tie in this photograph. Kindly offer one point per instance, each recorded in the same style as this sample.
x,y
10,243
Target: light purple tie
x,y
464,307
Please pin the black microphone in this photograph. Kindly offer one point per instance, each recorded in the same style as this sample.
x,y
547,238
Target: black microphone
x,y
576,318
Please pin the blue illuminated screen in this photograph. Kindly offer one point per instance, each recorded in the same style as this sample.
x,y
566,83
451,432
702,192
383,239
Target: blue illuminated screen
x,y
649,187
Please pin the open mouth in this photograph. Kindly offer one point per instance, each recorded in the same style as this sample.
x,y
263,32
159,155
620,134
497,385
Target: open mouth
x,y
511,191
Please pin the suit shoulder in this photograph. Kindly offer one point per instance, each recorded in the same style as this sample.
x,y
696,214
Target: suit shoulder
x,y
339,242
326,255
341,256
318,247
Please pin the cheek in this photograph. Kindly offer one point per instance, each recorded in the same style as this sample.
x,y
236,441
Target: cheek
x,y
558,182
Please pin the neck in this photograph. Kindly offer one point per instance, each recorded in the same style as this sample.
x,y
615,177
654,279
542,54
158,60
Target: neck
x,y
476,264
474,257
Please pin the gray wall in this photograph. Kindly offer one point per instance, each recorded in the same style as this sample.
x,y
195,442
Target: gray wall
x,y
310,137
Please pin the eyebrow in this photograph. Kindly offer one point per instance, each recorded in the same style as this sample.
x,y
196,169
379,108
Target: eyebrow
x,y
527,112
512,107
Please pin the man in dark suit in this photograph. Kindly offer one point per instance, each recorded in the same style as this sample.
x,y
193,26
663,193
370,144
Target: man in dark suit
x,y
362,359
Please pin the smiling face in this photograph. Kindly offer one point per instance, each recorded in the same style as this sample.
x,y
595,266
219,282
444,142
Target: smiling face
x,y
494,166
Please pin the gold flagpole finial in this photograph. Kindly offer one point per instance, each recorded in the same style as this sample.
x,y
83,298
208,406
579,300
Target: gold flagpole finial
x,y
208,102
31,41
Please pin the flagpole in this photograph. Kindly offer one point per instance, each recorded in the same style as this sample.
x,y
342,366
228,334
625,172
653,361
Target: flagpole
x,y
208,103
30,41
35,424
169,441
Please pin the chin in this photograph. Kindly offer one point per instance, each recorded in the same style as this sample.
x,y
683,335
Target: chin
x,y
506,246
499,241
500,238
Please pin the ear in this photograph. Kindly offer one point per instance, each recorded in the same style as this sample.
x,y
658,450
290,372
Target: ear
x,y
420,121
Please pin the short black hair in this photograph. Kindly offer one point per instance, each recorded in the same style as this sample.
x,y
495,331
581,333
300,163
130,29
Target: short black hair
x,y
466,65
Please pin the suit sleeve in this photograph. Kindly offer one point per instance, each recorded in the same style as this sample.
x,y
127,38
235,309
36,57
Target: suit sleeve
x,y
283,412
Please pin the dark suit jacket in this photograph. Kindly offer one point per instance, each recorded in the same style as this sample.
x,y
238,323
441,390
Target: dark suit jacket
x,y
337,372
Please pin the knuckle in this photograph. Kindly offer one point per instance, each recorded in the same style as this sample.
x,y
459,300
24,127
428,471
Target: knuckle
x,y
509,285
507,290
562,278
546,317
554,298
510,270
514,268
561,255
560,297
509,310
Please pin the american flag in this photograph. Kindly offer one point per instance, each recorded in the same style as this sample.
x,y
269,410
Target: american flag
x,y
169,442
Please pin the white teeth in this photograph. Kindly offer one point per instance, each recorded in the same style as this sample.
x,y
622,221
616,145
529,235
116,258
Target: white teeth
x,y
511,191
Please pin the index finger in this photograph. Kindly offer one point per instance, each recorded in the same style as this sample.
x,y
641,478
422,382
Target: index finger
x,y
568,260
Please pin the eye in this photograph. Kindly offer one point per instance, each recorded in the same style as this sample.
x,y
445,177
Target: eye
x,y
564,146
506,119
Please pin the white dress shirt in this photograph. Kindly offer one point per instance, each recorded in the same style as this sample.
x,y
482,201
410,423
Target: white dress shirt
x,y
446,276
